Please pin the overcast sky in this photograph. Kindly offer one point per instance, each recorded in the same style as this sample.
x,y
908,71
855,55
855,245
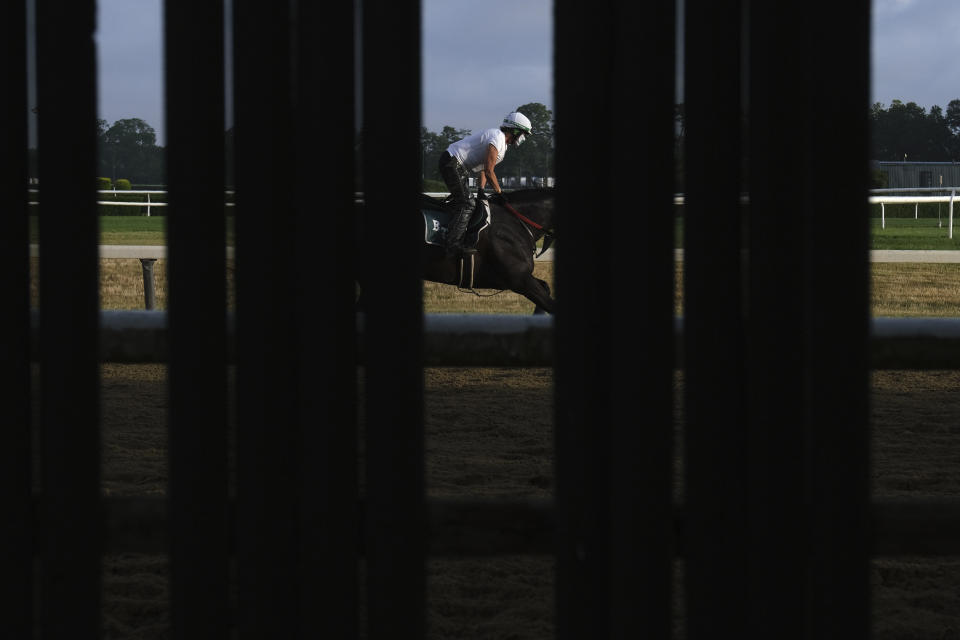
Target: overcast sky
x,y
916,51
478,64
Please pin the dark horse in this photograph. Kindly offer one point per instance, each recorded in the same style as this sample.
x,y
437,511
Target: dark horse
x,y
505,248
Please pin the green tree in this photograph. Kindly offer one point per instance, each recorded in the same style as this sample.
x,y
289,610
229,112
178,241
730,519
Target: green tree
x,y
432,145
101,132
429,153
952,120
953,116
128,149
905,131
937,136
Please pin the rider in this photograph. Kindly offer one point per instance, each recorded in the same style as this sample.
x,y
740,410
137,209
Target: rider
x,y
477,153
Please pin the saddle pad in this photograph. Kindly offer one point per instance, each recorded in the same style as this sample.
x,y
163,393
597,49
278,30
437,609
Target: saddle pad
x,y
436,223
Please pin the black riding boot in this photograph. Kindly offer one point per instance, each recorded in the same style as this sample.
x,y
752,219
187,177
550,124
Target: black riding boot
x,y
456,231
455,177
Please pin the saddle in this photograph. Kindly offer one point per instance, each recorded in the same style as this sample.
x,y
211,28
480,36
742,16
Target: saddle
x,y
439,214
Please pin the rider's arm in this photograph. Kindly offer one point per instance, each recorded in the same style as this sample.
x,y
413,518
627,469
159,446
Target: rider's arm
x,y
488,164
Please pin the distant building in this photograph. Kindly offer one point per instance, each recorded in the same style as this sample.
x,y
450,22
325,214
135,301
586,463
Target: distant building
x,y
904,175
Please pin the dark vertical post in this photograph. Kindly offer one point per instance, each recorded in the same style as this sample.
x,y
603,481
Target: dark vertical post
x,y
268,480
838,323
327,321
395,517
582,428
713,327
642,434
16,530
197,501
66,91
614,434
149,294
778,95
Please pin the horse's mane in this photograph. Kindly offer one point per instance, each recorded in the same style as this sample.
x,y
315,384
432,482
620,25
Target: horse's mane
x,y
521,196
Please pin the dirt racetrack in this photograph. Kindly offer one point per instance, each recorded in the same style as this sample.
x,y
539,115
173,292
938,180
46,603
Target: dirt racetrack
x,y
489,433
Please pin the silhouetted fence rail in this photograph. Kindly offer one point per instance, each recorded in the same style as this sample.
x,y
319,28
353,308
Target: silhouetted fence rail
x,y
525,341
777,527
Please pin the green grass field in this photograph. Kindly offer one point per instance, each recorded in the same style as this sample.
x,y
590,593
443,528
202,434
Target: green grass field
x,y
133,230
900,232
907,233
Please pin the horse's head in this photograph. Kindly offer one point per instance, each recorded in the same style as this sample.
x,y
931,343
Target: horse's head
x,y
535,208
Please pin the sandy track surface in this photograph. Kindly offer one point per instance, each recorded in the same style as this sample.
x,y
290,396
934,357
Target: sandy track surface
x,y
490,433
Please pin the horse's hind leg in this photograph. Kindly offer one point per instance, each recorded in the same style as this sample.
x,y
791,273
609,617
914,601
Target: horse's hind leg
x,y
538,292
540,309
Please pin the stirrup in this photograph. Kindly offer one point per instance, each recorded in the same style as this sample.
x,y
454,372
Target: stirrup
x,y
470,271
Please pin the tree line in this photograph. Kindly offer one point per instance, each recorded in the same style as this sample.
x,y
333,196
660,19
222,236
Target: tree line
x,y
903,131
900,132
908,132
128,149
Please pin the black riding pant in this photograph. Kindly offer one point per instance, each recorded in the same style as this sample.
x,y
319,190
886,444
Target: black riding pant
x,y
455,177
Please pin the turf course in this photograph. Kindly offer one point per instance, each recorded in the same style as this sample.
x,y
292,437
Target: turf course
x,y
138,230
133,230
907,233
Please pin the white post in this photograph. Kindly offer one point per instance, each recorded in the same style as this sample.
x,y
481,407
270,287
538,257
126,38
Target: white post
x,y
148,205
953,193
916,208
883,217
939,223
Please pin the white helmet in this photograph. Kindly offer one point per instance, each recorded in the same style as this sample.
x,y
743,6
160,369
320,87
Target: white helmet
x,y
518,123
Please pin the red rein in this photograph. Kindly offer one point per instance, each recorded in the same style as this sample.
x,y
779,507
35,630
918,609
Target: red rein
x,y
522,217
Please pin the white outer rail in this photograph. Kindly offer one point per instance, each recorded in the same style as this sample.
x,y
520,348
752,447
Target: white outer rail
x,y
678,199
877,197
159,252
884,200
148,203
